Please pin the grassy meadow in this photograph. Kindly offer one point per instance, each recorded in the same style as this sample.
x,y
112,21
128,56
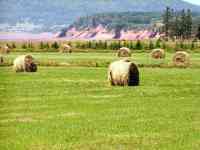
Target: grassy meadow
x,y
97,59
69,105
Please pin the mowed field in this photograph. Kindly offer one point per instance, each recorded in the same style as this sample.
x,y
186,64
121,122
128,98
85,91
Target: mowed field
x,y
95,59
73,107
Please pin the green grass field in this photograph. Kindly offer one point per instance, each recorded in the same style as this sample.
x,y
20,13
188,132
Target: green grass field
x,y
98,59
74,107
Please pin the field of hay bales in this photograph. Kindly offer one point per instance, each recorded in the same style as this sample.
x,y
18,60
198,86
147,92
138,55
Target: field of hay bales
x,y
96,59
69,104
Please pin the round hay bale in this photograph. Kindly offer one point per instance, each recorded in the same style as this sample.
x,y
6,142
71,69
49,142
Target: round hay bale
x,y
66,49
124,52
158,54
5,49
123,73
1,59
181,59
24,63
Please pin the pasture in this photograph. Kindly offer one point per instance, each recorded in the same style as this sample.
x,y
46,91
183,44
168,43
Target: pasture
x,y
68,104
96,59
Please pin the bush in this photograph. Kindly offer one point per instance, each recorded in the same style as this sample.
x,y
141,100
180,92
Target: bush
x,y
151,45
158,45
13,46
24,46
47,45
55,45
41,45
138,45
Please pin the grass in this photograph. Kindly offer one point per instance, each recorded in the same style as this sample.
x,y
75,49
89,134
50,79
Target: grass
x,y
61,108
98,59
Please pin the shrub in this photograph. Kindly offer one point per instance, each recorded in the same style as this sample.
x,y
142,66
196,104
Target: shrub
x,y
55,45
138,45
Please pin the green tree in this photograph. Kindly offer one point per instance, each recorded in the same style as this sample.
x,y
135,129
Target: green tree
x,y
183,25
151,45
193,44
177,26
55,45
119,45
105,45
181,44
115,45
198,32
96,44
111,45
172,22
24,46
13,45
138,45
158,43
166,21
47,45
188,24
42,46
89,44
100,44
164,46
93,44
30,45
131,45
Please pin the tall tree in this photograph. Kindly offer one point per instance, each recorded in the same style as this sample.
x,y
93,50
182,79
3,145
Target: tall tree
x,y
47,45
138,45
183,24
177,24
198,32
41,45
166,20
55,45
172,22
188,22
24,46
13,45
151,45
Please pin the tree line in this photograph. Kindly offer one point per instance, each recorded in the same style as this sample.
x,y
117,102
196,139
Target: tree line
x,y
107,45
179,24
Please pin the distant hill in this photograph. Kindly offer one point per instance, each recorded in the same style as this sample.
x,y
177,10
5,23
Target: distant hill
x,y
53,15
111,22
125,20
125,25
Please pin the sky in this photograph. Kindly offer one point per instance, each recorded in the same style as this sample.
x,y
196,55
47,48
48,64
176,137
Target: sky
x,y
193,1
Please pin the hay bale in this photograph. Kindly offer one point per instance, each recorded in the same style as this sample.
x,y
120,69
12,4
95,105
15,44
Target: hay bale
x,y
181,59
124,52
24,63
158,54
5,49
1,59
66,48
123,73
